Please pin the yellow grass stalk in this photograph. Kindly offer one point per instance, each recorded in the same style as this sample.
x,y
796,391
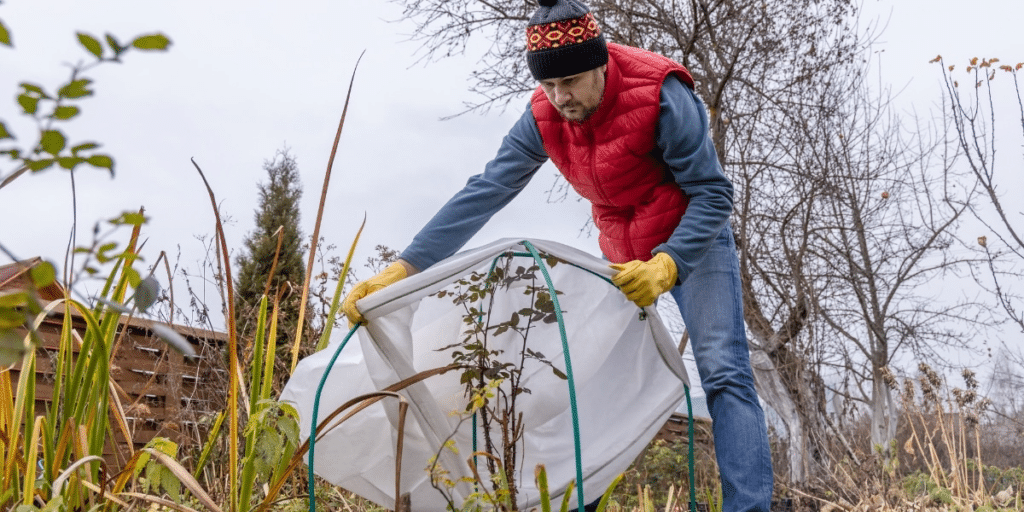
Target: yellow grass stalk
x,y
316,226
31,454
204,456
336,300
233,366
22,414
8,448
119,416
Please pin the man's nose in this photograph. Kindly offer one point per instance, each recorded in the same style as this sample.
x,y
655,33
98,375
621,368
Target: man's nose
x,y
562,95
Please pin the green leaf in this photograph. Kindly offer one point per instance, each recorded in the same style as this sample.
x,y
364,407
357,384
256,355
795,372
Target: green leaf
x,y
70,162
65,112
114,45
53,141
13,299
101,252
4,134
75,89
12,347
43,274
90,43
83,147
129,218
11,318
39,165
101,161
152,42
5,35
33,88
133,276
29,104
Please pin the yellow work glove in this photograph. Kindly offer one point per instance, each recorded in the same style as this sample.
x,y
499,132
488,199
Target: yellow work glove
x,y
644,281
394,273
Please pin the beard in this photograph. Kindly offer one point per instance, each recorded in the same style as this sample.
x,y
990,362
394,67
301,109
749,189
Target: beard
x,y
576,113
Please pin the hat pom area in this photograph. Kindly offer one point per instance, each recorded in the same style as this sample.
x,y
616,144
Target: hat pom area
x,y
548,3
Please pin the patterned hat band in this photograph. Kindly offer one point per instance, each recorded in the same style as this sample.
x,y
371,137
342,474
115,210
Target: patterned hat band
x,y
545,36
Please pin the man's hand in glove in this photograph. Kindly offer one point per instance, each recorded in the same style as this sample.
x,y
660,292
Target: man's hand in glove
x,y
394,273
644,281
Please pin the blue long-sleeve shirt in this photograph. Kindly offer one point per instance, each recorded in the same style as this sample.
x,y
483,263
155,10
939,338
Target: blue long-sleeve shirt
x,y
683,143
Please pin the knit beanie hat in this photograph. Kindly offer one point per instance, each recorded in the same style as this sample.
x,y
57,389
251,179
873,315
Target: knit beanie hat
x,y
563,39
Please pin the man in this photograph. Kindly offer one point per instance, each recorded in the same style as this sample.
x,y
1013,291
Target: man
x,y
625,128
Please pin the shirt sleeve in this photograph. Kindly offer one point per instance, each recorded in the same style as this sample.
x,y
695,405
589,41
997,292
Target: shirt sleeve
x,y
684,139
520,155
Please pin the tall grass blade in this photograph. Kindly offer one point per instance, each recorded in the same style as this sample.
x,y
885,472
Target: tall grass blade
x,y
248,476
319,219
541,475
211,439
325,338
234,368
58,483
31,454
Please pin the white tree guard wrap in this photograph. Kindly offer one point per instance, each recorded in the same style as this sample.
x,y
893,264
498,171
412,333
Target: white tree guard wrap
x,y
626,368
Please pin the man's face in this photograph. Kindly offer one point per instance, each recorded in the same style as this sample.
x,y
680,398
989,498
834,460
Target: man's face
x,y
577,96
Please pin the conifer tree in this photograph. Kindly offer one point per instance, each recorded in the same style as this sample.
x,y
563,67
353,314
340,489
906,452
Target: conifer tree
x,y
278,210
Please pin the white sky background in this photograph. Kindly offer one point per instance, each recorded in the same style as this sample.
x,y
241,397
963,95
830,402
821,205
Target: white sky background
x,y
242,80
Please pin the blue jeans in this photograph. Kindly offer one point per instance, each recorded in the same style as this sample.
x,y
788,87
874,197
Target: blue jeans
x,y
711,303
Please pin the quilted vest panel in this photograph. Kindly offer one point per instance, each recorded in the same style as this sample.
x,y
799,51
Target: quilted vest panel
x,y
610,158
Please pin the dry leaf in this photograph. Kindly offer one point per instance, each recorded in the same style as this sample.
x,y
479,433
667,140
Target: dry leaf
x,y
1003,497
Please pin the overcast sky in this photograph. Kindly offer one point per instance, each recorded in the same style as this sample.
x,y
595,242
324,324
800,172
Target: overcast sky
x,y
243,80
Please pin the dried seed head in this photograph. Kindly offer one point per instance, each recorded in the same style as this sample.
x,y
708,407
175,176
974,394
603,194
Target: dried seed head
x,y
961,399
984,404
933,378
908,393
970,379
889,378
971,420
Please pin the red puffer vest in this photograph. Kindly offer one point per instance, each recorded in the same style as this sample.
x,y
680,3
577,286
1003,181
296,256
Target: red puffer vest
x,y
609,157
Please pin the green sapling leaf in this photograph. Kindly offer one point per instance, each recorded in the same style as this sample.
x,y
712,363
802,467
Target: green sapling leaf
x,y
103,161
4,134
152,42
75,89
39,165
129,218
11,317
70,162
91,44
13,299
43,274
34,89
5,35
53,141
114,45
29,104
83,147
65,112
12,347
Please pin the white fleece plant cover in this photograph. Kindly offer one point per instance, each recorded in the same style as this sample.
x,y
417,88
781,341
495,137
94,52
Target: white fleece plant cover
x,y
627,371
